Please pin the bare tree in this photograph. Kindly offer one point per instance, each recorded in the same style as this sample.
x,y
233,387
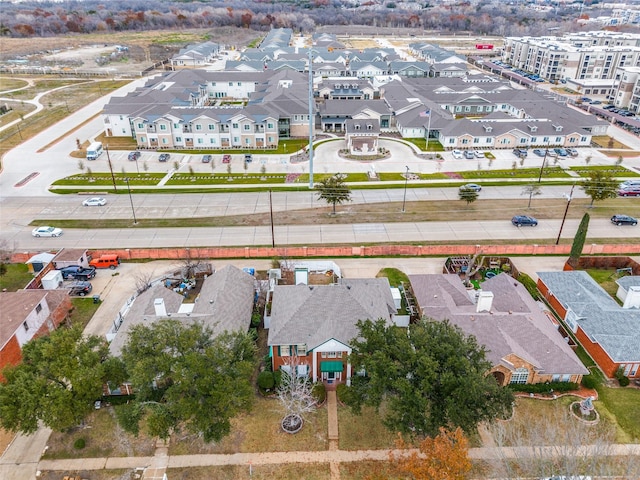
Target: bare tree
x,y
531,190
143,281
294,391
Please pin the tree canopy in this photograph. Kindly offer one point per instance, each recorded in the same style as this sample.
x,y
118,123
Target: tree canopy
x,y
468,195
60,377
334,191
430,375
185,377
600,186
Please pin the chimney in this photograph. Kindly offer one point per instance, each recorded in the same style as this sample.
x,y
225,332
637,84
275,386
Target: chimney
x,y
158,304
632,299
485,299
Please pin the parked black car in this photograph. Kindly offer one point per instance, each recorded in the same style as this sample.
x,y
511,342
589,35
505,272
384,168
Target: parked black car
x,y
624,220
520,220
164,157
76,272
80,288
520,152
134,155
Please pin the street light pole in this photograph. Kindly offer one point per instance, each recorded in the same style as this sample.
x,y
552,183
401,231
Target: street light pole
x,y
113,178
135,222
406,180
566,210
310,119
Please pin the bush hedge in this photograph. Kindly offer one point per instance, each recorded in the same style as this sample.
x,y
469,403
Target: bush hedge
x,y
79,444
544,387
530,285
342,392
589,381
266,380
319,392
622,379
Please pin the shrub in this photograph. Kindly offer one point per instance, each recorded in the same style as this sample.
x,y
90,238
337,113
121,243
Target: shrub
x,y
544,387
623,381
342,391
256,318
277,378
319,392
589,381
266,380
79,444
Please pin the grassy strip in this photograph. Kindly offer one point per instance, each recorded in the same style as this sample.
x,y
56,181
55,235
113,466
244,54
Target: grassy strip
x,y
618,171
423,211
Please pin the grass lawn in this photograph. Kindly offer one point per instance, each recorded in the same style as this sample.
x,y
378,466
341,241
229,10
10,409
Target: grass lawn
x,y
288,471
16,278
83,310
606,278
624,403
613,170
365,431
605,141
92,474
103,437
259,431
396,277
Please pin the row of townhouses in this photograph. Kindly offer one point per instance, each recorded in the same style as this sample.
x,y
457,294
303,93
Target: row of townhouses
x,y
203,109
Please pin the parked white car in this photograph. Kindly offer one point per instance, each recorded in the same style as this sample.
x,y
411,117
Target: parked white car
x,y
457,154
46,232
478,153
94,202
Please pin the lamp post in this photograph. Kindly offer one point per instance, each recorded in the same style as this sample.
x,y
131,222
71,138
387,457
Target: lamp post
x,y
135,222
406,180
566,210
544,161
311,119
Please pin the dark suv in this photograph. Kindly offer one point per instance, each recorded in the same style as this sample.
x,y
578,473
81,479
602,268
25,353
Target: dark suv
x,y
134,155
80,288
520,220
76,272
520,152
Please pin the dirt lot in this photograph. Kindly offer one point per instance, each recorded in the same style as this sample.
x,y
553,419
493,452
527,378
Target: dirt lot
x,y
144,48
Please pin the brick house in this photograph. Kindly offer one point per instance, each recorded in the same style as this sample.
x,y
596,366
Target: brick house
x,y
522,344
315,323
610,333
27,314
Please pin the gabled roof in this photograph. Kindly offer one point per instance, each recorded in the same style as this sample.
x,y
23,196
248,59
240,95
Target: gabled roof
x,y
225,303
515,324
601,318
16,306
312,314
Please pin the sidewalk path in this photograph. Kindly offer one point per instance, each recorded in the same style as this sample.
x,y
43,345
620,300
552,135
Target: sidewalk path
x,y
326,456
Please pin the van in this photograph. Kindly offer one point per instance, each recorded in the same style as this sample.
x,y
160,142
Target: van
x,y
105,261
94,151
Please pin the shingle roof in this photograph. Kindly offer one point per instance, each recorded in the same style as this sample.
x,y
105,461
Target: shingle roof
x,y
515,324
603,320
16,306
313,314
225,303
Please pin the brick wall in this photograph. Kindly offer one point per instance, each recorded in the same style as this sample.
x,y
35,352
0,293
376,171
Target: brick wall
x,y
350,251
11,354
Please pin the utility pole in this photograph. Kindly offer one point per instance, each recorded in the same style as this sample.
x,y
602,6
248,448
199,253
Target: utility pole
x,y
406,180
566,210
113,178
273,238
310,119
135,222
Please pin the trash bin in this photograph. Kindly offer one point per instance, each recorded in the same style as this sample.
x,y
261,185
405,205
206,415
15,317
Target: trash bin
x,y
96,299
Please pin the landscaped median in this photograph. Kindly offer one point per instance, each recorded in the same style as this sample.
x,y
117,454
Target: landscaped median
x,y
223,181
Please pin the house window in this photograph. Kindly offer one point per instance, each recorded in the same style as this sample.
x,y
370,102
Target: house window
x,y
212,127
583,139
175,125
164,140
239,84
302,350
234,125
458,109
163,127
330,355
231,84
523,140
178,139
467,108
285,351
465,141
140,126
198,127
303,370
521,375
270,139
555,378
247,141
212,141
200,140
26,326
236,139
143,139
476,140
38,308
247,127
269,125
634,370
566,377
452,141
534,140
